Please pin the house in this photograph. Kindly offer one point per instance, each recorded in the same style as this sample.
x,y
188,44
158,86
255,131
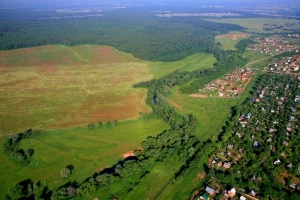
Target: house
x,y
220,164
242,198
272,130
230,146
239,135
209,190
290,165
255,144
227,165
285,143
277,162
252,193
220,94
231,192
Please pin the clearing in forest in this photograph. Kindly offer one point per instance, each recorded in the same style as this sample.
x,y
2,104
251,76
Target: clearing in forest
x,y
228,41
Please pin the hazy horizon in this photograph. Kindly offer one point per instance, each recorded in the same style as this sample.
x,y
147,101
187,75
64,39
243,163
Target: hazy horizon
x,y
55,3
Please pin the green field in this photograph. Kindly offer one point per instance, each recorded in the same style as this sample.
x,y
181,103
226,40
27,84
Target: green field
x,y
254,55
191,63
230,40
227,43
59,87
255,24
88,150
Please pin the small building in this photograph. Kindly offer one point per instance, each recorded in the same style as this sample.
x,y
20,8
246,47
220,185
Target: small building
x,y
277,162
231,192
230,146
256,144
209,190
272,130
227,165
220,164
252,193
285,143
242,198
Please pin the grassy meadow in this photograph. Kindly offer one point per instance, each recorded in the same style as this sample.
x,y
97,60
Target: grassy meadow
x,y
88,150
255,24
58,86
228,41
191,63
253,55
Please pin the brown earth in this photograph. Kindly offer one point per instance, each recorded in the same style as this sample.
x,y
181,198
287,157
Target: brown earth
x,y
198,95
233,36
128,154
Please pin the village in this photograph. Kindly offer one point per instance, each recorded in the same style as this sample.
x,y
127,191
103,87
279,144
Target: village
x,y
229,86
289,65
266,133
276,44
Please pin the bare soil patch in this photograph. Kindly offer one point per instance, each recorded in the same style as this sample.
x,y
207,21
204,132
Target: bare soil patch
x,y
198,95
235,36
128,154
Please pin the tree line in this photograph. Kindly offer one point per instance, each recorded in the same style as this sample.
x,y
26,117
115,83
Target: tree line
x,y
147,38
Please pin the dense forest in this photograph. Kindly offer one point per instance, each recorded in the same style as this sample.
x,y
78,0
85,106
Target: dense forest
x,y
148,38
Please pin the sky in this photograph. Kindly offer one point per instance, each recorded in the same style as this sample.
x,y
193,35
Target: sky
x,y
49,3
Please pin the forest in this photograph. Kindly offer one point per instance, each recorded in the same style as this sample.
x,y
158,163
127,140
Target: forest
x,y
145,37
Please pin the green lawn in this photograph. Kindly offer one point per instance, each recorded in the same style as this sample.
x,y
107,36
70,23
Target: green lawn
x,y
87,150
254,55
227,43
254,24
191,63
211,112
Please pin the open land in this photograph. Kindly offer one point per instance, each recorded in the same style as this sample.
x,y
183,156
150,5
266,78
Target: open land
x,y
38,84
256,25
191,63
228,41
88,150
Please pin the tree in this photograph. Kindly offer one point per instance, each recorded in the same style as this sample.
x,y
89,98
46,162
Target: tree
x,y
66,172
